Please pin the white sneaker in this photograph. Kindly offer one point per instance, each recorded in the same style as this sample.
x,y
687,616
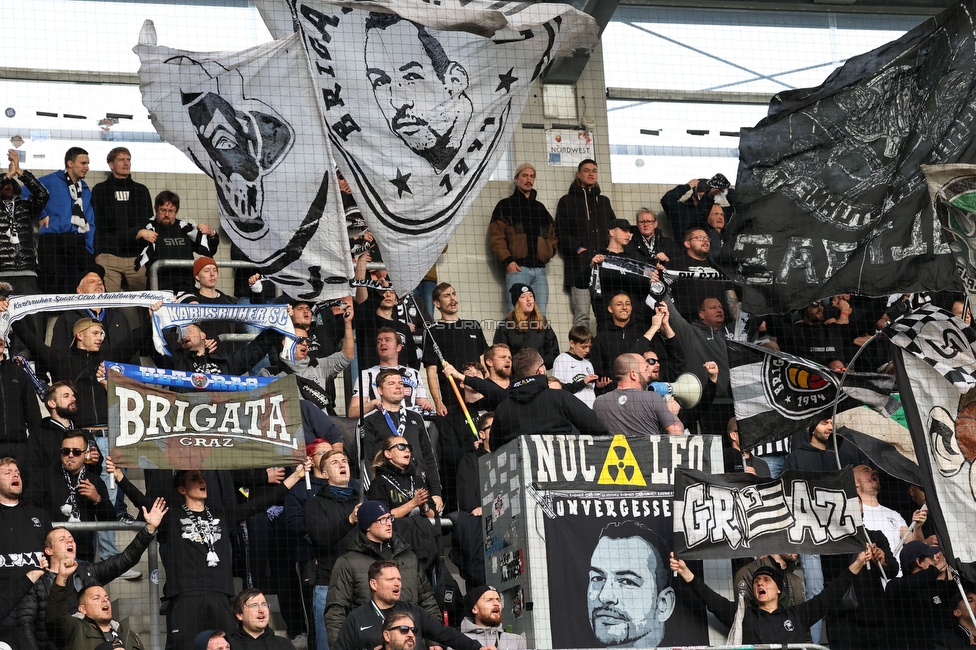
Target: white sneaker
x,y
300,642
131,574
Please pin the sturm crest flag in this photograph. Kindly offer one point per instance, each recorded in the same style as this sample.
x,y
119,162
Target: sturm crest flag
x,y
732,515
420,100
833,199
778,395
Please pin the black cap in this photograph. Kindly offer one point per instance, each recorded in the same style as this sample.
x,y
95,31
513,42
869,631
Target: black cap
x,y
623,224
97,269
913,551
719,182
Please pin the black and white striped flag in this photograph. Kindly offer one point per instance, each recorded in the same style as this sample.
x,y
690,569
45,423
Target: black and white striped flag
x,y
939,339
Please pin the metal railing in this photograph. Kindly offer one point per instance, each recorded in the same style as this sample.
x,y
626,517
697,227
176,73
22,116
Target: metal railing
x,y
152,556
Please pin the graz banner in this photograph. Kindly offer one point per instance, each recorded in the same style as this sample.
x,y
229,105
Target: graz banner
x,y
154,428
579,462
610,586
735,515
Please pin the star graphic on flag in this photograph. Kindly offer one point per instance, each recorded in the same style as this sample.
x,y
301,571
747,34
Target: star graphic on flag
x,y
401,183
506,81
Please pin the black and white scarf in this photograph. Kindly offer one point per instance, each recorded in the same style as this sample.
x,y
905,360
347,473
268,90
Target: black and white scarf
x,y
70,508
77,206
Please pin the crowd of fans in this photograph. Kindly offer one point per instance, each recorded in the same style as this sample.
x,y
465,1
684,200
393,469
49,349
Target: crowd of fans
x,y
361,537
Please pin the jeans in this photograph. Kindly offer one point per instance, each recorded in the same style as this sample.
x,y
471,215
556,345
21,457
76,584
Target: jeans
x,y
775,462
813,581
424,293
319,594
105,539
579,302
535,277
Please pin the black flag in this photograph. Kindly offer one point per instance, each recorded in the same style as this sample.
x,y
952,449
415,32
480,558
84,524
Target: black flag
x,y
832,196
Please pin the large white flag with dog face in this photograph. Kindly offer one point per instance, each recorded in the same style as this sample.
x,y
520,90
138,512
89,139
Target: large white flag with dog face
x,y
417,100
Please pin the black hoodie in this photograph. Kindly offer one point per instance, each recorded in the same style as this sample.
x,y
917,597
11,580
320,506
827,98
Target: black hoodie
x,y
533,407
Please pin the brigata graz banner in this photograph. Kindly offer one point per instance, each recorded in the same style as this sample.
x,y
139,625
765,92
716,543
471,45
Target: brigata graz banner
x,y
579,462
735,515
153,428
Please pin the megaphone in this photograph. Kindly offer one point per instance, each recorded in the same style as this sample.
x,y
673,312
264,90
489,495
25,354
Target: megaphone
x,y
687,389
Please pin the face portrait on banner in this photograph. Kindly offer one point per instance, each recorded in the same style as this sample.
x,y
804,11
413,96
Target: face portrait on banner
x,y
417,87
611,586
626,596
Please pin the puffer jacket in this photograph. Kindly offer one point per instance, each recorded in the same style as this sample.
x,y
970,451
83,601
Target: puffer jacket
x,y
18,250
349,587
522,231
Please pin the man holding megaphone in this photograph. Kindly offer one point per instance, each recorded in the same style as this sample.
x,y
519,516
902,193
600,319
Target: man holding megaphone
x,y
631,409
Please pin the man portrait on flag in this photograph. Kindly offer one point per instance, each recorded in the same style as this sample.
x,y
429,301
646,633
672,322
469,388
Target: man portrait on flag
x,y
610,586
421,91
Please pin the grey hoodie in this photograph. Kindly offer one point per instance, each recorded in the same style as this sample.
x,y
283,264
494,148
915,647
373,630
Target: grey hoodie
x,y
487,636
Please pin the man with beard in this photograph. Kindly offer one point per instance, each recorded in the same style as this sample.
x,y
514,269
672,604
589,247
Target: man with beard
x,y
628,597
418,88
44,448
21,543
174,239
522,235
631,409
484,620
364,625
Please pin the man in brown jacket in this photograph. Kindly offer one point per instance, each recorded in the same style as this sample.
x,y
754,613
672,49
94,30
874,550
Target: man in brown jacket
x,y
523,237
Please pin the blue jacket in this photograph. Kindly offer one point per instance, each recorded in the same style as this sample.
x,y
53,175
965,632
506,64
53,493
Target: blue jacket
x,y
58,208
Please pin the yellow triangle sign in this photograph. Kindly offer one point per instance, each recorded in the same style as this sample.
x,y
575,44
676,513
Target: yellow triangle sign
x,y
620,467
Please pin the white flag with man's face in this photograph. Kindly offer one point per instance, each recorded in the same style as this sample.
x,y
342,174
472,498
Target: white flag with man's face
x,y
421,100
417,100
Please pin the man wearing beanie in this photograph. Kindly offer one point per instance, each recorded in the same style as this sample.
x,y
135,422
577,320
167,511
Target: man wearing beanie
x,y
349,586
768,622
363,628
211,640
483,622
206,273
522,235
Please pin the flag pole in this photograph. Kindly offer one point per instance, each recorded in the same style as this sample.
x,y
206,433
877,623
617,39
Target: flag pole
x,y
911,529
840,386
440,356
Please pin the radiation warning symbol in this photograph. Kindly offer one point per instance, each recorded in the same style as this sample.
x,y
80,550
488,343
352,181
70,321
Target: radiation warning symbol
x,y
620,467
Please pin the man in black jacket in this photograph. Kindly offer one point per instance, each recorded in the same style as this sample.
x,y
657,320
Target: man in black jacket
x,y
20,413
693,212
583,219
330,519
18,247
364,626
920,602
533,407
768,622
122,207
75,493
59,546
170,238
816,454
115,325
